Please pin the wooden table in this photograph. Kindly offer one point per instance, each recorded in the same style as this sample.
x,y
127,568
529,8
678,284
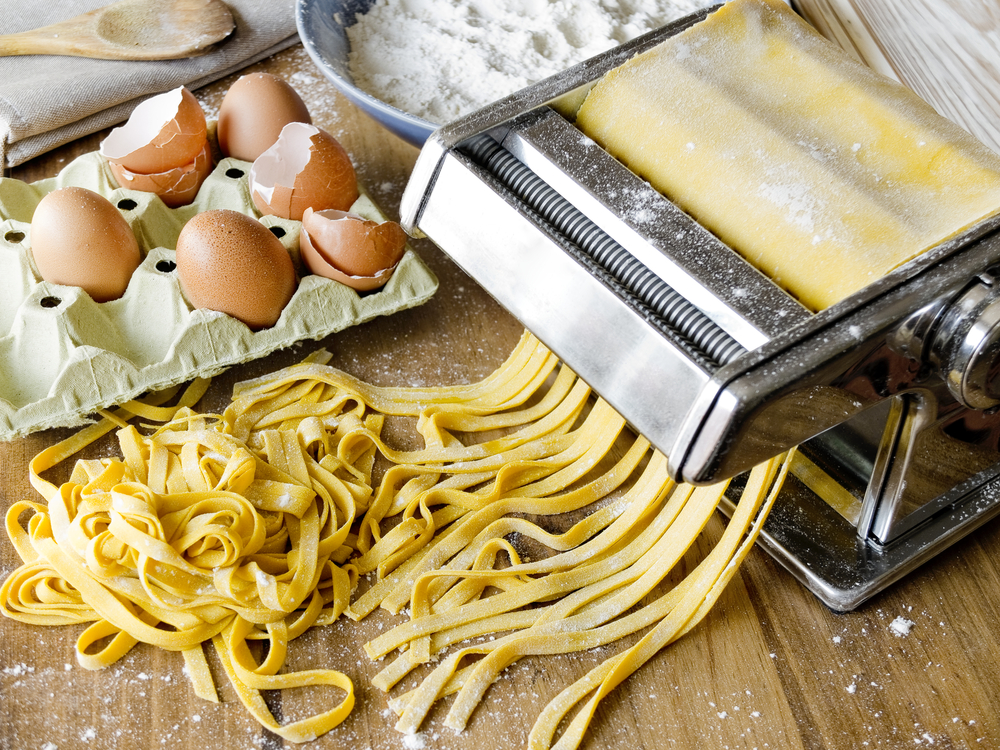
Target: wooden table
x,y
770,667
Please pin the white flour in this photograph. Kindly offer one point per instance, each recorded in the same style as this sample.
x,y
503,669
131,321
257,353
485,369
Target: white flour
x,y
901,627
440,59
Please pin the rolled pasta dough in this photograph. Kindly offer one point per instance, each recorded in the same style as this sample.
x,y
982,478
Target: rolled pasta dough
x,y
823,174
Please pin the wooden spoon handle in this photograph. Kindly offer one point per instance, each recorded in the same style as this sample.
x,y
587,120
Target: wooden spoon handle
x,y
75,36
130,30
12,45
31,43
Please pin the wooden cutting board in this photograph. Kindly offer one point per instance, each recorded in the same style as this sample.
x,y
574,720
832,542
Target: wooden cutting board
x,y
770,667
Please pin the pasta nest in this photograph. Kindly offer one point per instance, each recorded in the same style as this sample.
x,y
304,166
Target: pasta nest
x,y
258,523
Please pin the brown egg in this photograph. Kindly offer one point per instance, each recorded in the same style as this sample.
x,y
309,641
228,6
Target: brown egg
x,y
78,238
231,263
306,168
254,111
351,249
164,132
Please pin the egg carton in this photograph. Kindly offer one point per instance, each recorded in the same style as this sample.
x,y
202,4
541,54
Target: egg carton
x,y
63,356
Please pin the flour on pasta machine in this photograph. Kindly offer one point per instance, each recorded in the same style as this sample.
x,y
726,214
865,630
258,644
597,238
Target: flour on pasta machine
x,y
892,393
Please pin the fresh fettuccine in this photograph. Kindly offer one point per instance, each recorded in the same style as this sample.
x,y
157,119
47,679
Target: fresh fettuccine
x,y
256,524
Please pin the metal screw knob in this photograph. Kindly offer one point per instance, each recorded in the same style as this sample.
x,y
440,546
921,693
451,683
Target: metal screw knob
x,y
974,364
960,337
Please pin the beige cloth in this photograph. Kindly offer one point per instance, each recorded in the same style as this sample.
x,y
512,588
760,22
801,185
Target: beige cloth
x,y
46,101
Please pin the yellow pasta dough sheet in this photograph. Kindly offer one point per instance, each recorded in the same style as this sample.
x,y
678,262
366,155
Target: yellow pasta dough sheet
x,y
63,356
822,173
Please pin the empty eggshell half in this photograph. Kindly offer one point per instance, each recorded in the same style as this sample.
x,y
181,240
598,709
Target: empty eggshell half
x,y
351,249
164,132
175,187
306,168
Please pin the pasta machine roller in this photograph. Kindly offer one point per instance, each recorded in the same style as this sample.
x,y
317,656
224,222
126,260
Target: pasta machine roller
x,y
893,394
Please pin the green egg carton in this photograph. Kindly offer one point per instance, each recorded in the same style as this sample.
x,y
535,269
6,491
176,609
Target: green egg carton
x,y
64,356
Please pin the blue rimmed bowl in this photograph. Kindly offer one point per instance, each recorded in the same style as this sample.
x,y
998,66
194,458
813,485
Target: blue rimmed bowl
x,y
322,26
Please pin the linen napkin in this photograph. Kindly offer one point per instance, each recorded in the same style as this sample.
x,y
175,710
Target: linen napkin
x,y
46,100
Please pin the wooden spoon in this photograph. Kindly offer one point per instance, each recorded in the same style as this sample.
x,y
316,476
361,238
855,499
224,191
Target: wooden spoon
x,y
130,30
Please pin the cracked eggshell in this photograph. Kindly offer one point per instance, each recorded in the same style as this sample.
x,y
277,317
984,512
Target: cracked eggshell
x,y
231,263
164,132
78,238
351,249
175,187
306,168
254,111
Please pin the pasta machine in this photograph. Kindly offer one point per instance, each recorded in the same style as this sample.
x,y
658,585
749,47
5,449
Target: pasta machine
x,y
893,394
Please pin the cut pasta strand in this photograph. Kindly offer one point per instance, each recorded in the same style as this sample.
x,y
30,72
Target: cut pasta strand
x,y
531,516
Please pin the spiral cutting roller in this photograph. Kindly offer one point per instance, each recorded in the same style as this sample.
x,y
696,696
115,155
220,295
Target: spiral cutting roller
x,y
893,394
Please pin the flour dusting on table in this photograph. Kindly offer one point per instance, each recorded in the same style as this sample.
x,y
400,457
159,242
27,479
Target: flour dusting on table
x,y
901,627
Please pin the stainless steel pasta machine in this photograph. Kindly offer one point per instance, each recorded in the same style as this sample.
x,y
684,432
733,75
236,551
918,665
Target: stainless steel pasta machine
x,y
893,394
